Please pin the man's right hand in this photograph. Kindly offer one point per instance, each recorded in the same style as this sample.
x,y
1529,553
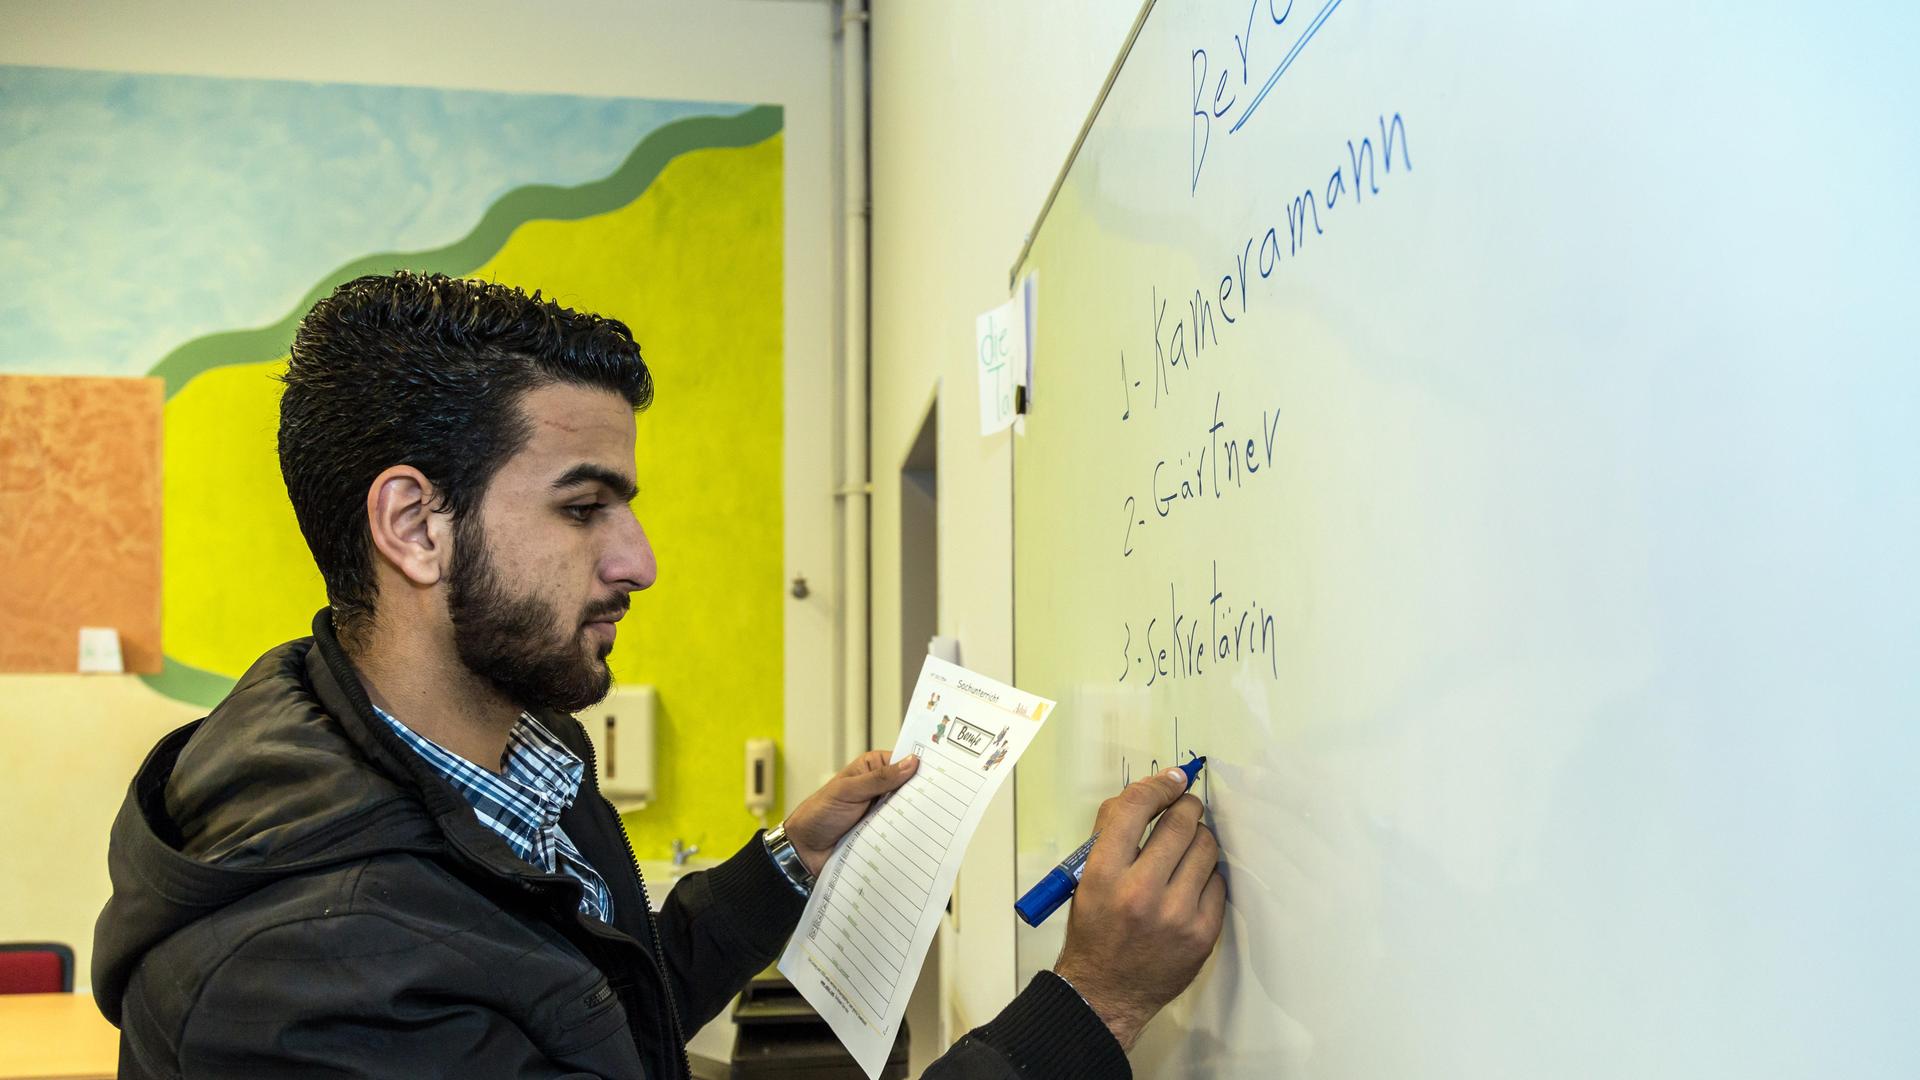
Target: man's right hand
x,y
1144,918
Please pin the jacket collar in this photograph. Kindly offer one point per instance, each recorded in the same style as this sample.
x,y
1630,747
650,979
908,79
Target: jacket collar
x,y
292,772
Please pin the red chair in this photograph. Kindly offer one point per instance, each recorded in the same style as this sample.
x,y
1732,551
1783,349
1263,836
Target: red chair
x,y
36,967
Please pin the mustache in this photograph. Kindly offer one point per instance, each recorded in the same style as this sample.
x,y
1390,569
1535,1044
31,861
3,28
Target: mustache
x,y
610,612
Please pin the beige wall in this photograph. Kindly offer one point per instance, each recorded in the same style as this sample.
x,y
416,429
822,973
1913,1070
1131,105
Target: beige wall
x,y
72,744
975,106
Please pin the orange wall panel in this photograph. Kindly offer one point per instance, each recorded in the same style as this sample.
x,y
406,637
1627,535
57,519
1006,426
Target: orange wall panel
x,y
79,518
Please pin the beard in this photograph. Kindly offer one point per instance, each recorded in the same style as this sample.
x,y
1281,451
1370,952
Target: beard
x,y
521,644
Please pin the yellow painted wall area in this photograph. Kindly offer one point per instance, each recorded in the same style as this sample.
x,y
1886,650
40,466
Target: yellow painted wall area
x,y
239,578
694,267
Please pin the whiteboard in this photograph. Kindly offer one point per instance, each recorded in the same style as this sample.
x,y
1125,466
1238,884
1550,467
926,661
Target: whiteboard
x,y
1488,432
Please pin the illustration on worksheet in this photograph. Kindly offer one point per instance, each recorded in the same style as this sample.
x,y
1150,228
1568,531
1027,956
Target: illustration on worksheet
x,y
972,738
940,728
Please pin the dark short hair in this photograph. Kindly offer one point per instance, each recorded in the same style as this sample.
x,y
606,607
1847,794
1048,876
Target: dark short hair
x,y
428,371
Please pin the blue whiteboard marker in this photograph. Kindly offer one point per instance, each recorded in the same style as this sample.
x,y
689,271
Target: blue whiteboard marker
x,y
1053,890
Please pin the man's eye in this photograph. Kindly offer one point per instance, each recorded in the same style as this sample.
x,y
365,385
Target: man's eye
x,y
582,513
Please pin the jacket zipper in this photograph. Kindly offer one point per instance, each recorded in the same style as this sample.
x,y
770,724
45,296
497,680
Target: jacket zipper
x,y
659,951
363,710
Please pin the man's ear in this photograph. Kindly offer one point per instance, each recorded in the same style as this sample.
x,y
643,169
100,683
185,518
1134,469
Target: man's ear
x,y
413,539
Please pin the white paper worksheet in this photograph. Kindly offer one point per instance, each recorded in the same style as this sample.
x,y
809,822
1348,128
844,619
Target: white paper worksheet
x,y
873,913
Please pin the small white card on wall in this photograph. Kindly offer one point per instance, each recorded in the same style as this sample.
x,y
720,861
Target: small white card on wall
x,y
100,650
1000,353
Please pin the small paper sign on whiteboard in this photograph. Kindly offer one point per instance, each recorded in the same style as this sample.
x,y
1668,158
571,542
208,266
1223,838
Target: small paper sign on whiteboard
x,y
1000,352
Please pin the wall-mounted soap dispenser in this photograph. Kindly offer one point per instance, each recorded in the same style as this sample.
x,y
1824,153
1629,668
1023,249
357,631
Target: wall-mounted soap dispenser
x,y
761,759
621,728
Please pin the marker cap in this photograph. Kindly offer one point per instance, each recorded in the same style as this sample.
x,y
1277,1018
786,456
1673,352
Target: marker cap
x,y
1046,897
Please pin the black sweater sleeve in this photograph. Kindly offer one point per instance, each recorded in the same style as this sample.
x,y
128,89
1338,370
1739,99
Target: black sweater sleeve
x,y
721,927
1047,1033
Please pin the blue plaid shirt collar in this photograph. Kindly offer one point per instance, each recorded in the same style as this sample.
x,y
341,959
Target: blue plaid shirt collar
x,y
522,803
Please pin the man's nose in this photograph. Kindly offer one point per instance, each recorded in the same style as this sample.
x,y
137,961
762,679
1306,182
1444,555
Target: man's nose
x,y
631,561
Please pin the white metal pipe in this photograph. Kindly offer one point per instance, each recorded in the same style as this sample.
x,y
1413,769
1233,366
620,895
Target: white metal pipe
x,y
853,491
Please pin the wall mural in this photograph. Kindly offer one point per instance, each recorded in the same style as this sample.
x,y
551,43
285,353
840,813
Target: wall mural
x,y
175,228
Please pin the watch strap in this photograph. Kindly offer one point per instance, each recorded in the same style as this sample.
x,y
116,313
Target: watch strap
x,y
788,860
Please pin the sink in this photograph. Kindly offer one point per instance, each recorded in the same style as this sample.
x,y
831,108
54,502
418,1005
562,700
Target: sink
x,y
661,874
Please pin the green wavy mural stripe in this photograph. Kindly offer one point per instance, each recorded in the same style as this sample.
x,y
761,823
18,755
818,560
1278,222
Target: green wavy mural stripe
x,y
516,207
183,682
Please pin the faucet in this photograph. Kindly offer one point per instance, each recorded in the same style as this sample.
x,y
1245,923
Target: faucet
x,y
682,852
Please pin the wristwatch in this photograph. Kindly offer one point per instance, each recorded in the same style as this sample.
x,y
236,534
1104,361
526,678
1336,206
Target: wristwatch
x,y
788,860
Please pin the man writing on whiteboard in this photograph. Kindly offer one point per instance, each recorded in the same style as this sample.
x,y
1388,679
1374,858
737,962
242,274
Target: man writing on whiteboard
x,y
384,854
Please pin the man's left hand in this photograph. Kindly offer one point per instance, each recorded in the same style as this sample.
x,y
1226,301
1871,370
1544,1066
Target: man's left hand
x,y
819,822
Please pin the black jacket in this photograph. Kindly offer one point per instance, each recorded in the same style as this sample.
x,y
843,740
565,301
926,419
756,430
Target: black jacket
x,y
296,893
